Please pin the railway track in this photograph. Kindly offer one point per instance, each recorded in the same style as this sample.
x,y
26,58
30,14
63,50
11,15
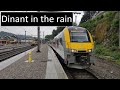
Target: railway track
x,y
73,73
78,73
14,51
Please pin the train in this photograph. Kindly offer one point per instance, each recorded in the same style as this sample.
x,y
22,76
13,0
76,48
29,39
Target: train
x,y
34,43
75,46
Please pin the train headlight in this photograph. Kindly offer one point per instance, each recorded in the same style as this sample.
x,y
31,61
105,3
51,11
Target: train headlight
x,y
73,50
90,50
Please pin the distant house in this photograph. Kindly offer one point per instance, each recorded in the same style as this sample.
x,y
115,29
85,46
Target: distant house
x,y
27,41
13,39
8,40
4,40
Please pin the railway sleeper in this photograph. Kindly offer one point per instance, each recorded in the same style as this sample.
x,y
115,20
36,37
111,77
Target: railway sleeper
x,y
14,52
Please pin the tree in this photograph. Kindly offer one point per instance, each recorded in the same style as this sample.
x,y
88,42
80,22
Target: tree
x,y
48,37
87,15
54,33
59,29
74,24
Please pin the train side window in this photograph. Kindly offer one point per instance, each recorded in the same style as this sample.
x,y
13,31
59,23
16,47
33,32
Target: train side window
x,y
61,41
57,41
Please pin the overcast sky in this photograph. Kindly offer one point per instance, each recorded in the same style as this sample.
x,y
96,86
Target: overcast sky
x,y
32,30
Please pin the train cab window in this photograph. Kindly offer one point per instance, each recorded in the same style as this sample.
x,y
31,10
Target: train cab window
x,y
79,36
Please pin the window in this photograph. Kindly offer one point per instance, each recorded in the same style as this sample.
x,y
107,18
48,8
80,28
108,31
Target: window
x,y
57,42
79,37
61,41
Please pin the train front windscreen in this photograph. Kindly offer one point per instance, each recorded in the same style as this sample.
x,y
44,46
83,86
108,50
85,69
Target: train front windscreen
x,y
79,36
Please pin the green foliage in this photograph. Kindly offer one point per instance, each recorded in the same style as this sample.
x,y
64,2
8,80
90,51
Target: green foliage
x,y
106,23
90,25
114,40
105,28
110,14
116,55
54,33
59,29
101,50
48,37
99,17
115,24
107,53
74,24
113,48
98,50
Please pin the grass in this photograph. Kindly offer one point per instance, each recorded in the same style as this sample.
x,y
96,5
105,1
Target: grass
x,y
107,53
110,16
105,29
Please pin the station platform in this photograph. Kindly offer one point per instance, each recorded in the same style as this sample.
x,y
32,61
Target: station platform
x,y
44,65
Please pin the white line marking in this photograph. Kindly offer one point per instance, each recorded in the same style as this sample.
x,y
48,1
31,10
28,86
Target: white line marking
x,y
29,61
54,69
50,70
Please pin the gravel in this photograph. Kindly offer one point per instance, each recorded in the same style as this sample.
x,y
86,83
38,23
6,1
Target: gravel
x,y
27,70
79,74
36,70
105,69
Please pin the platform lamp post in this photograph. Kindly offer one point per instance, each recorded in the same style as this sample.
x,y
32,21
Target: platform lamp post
x,y
25,37
38,49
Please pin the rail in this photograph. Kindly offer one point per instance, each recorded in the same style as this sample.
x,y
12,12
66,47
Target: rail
x,y
17,50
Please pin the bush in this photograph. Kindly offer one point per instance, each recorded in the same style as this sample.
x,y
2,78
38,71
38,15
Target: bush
x,y
116,55
99,17
99,49
102,50
114,39
108,23
113,48
109,13
89,25
115,24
